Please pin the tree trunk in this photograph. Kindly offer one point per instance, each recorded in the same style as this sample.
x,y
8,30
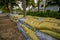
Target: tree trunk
x,y
29,8
45,6
10,7
38,5
24,7
59,8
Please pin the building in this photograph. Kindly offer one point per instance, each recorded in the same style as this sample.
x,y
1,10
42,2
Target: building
x,y
42,5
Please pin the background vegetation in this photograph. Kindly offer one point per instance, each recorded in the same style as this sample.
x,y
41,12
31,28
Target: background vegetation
x,y
45,14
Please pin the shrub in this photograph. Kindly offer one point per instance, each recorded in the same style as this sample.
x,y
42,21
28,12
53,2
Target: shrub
x,y
45,14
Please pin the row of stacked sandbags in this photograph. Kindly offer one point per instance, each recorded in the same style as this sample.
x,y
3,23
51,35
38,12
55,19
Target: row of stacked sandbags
x,y
50,24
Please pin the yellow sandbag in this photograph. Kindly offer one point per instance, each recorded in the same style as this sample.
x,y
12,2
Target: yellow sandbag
x,y
30,33
51,33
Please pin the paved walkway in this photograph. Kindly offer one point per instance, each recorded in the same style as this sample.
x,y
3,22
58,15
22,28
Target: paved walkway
x,y
8,30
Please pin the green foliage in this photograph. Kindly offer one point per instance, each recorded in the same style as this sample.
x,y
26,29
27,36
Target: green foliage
x,y
13,2
45,14
30,2
57,2
5,10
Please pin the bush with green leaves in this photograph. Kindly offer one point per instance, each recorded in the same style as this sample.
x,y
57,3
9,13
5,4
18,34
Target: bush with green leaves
x,y
45,14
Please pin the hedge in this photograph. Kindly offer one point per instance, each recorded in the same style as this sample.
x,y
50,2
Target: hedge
x,y
45,14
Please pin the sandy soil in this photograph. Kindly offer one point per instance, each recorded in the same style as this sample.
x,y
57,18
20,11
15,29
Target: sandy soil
x,y
8,30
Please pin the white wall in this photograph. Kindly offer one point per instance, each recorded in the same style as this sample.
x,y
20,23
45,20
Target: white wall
x,y
36,1
53,8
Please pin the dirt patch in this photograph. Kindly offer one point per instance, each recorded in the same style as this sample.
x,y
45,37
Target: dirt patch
x,y
8,30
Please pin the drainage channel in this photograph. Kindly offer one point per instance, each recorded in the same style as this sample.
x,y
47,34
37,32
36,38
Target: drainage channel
x,y
40,35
